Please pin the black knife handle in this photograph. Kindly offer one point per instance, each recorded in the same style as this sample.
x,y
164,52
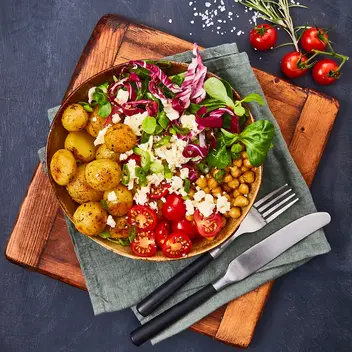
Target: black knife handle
x,y
168,288
165,319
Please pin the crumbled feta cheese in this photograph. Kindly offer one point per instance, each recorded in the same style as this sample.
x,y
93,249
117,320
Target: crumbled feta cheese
x,y
90,94
222,204
176,184
132,171
122,97
189,207
110,221
198,196
135,122
112,197
124,156
153,205
116,118
189,121
141,196
206,208
184,173
100,136
94,119
155,179
170,112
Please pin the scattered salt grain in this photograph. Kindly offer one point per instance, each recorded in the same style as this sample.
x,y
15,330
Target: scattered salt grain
x,y
170,20
192,22
190,3
207,4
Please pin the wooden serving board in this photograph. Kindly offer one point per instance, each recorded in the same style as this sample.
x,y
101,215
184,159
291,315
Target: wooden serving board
x,y
40,241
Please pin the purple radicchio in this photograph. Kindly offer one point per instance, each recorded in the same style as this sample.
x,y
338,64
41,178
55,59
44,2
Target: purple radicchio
x,y
193,150
193,173
131,108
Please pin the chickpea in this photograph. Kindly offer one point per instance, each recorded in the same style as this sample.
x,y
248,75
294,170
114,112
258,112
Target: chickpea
x,y
206,190
240,201
248,177
243,188
212,183
244,155
234,183
241,179
247,163
235,172
189,217
228,178
214,172
237,162
244,169
235,212
227,196
201,182
216,191
227,215
236,193
226,187
191,193
227,168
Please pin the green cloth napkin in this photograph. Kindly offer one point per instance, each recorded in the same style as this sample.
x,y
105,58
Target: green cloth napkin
x,y
116,282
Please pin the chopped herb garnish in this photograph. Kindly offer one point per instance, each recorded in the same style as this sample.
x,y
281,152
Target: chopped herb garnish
x,y
104,234
125,175
103,203
132,233
187,186
163,141
141,175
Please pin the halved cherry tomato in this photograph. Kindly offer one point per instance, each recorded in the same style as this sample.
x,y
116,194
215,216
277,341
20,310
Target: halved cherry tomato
x,y
157,192
142,217
210,226
314,38
177,245
162,231
188,227
143,244
174,208
263,37
134,157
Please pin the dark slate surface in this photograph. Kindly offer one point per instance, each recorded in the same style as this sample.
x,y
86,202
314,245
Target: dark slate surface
x,y
40,42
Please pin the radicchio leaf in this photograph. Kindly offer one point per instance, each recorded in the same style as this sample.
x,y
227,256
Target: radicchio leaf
x,y
194,150
193,173
214,118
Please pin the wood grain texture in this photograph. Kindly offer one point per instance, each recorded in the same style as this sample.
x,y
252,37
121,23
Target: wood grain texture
x,y
48,248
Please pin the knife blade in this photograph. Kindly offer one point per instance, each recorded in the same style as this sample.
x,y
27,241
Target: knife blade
x,y
241,267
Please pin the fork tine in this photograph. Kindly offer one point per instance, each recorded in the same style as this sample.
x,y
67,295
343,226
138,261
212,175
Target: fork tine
x,y
276,206
268,196
280,211
267,205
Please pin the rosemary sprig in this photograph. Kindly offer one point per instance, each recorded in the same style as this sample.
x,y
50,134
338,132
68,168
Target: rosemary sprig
x,y
277,12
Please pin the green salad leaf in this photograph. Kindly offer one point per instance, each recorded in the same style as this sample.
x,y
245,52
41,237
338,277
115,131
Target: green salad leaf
x,y
163,120
149,124
86,106
180,130
104,234
219,157
253,97
178,79
132,233
219,176
105,110
143,90
217,90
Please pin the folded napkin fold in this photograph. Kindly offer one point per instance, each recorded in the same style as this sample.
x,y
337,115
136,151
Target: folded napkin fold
x,y
115,282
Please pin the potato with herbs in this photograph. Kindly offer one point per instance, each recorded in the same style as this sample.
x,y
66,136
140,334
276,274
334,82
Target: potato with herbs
x,y
121,228
119,200
103,174
104,153
80,190
74,118
81,144
120,138
90,218
95,122
63,167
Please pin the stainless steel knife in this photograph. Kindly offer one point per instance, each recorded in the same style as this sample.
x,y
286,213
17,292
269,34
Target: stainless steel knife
x,y
241,267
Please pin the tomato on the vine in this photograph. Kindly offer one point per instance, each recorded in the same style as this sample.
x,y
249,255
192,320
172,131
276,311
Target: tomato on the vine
x,y
208,226
157,192
263,37
292,64
143,245
314,38
177,245
174,208
188,227
142,217
162,231
326,72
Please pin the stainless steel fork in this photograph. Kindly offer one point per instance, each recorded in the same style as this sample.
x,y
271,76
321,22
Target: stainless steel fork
x,y
262,212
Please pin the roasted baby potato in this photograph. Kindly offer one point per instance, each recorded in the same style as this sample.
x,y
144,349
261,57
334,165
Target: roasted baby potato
x,y
120,138
63,167
90,218
104,153
119,200
121,228
74,118
95,122
81,144
80,190
103,174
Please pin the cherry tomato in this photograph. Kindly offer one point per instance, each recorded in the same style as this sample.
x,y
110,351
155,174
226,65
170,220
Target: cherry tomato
x,y
162,231
263,37
188,227
157,192
326,72
292,64
143,244
142,217
210,226
177,245
174,208
134,157
314,38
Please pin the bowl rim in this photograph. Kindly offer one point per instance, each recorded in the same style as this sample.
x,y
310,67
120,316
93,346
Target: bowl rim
x,y
104,243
